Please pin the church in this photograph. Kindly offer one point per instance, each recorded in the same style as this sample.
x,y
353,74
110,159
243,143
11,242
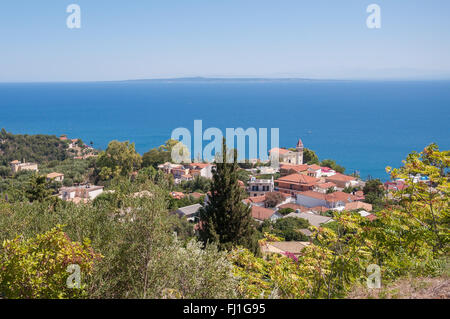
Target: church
x,y
288,156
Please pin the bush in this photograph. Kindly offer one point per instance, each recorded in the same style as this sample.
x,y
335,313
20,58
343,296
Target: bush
x,y
37,267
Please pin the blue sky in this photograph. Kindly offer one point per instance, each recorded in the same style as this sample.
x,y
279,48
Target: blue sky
x,y
138,39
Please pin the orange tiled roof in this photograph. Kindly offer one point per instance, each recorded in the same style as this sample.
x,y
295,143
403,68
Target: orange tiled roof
x,y
261,213
358,205
297,168
326,185
255,199
298,179
54,175
341,178
333,197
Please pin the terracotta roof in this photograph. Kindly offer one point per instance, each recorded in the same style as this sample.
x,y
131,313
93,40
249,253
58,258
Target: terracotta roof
x,y
371,217
15,162
314,167
298,179
299,143
255,199
358,205
326,185
54,175
297,168
341,177
333,197
261,213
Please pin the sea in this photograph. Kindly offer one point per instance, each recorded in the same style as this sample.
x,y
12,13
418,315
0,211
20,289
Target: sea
x,y
362,125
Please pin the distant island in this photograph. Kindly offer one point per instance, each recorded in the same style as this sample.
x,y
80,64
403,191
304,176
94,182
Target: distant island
x,y
223,79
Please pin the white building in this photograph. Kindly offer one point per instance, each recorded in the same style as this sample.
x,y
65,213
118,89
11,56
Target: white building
x,y
258,187
85,192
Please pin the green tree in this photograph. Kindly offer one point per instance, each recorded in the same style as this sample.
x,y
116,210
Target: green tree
x,y
119,159
159,155
310,157
225,219
287,228
38,189
37,267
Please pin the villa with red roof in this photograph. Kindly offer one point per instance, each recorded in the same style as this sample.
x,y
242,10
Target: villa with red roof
x,y
341,180
294,183
336,200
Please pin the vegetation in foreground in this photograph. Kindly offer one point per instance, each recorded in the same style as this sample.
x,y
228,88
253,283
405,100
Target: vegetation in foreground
x,y
131,247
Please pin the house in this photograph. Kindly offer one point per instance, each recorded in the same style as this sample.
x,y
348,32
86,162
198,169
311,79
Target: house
x,y
294,183
73,143
324,187
17,166
336,200
395,185
258,187
168,167
201,169
358,205
314,171
288,156
89,192
359,195
178,172
288,169
186,177
327,172
256,201
57,177
284,247
342,181
63,137
190,212
313,219
260,214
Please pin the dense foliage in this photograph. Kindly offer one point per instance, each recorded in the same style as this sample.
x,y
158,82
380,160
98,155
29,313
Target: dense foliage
x,y
31,148
226,220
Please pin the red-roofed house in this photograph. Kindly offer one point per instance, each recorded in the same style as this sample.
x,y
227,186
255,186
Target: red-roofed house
x,y
324,187
341,180
261,214
332,201
294,183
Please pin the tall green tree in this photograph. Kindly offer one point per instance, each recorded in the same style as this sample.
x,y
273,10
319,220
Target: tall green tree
x,y
226,220
119,159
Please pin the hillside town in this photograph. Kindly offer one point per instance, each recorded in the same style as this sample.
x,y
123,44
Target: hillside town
x,y
290,214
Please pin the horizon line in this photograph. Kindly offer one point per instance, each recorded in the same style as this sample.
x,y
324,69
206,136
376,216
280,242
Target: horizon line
x,y
238,79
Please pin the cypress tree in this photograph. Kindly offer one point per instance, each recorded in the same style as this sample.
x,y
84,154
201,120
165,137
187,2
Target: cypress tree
x,y
226,220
